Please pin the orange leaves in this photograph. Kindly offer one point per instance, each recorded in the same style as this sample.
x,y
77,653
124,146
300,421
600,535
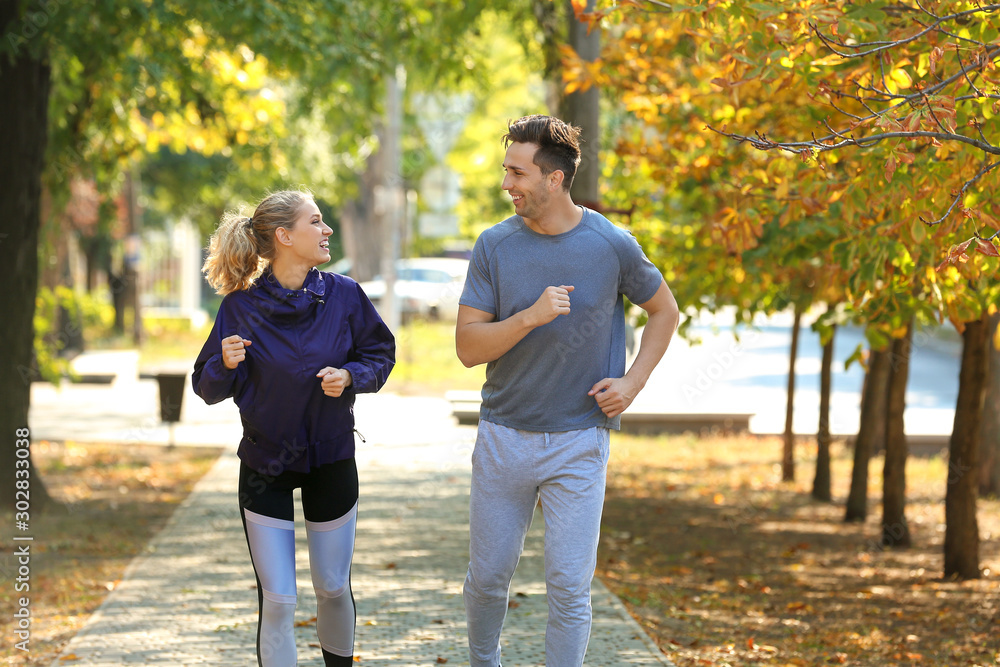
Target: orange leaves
x,y
592,19
935,56
988,219
812,205
908,655
579,74
766,648
956,254
942,112
890,168
761,73
960,252
981,215
736,232
986,247
896,157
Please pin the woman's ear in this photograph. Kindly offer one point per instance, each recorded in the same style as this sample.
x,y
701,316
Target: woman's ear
x,y
282,237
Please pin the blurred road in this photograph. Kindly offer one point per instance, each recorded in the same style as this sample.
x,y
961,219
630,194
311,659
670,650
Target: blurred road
x,y
750,375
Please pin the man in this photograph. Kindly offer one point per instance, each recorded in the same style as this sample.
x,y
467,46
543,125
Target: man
x,y
543,308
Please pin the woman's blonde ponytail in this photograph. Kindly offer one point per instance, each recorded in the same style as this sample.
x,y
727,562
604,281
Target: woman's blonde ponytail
x,y
234,259
242,246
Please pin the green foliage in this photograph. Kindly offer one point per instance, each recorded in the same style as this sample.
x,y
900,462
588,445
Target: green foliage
x,y
62,315
507,86
249,87
212,105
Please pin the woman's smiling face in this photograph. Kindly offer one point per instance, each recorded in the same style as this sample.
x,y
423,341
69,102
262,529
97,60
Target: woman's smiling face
x,y
309,237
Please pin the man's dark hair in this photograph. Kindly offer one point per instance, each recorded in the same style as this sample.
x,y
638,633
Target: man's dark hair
x,y
558,144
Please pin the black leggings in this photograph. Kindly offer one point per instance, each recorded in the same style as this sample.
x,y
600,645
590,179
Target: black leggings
x,y
329,503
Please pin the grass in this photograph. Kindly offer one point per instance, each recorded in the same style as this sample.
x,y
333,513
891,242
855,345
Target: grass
x,y
168,344
112,501
426,364
724,564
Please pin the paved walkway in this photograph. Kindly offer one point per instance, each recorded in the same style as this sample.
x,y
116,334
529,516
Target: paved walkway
x,y
189,599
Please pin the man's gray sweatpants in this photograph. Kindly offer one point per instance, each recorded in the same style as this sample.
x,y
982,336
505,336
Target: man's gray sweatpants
x,y
511,470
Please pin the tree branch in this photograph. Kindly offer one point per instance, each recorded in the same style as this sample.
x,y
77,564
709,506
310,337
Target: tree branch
x,y
985,169
981,96
927,11
965,72
661,5
761,142
937,121
878,47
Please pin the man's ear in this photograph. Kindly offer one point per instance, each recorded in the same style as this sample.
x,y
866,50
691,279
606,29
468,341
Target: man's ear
x,y
282,237
555,179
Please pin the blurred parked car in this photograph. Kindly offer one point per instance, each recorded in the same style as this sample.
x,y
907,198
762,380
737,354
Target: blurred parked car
x,y
426,287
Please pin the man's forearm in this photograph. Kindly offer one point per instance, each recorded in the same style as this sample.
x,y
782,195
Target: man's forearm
x,y
656,336
483,342
480,338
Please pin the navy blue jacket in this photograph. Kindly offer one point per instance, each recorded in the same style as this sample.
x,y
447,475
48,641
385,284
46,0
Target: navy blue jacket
x,y
288,422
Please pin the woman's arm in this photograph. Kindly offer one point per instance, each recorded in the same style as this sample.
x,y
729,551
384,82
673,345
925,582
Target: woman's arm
x,y
374,353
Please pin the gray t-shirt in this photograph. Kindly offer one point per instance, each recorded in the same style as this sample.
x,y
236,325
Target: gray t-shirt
x,y
541,383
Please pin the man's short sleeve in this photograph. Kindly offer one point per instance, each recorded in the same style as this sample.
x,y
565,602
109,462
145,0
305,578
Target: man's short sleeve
x,y
478,292
639,278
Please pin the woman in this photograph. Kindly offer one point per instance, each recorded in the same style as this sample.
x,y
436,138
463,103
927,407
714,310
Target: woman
x,y
292,345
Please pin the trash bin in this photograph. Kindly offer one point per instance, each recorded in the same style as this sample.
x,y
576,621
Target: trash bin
x,y
171,395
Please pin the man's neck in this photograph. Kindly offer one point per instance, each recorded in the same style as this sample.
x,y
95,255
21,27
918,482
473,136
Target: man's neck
x,y
558,219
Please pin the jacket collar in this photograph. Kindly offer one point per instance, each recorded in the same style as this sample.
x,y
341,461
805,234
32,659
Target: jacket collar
x,y
291,303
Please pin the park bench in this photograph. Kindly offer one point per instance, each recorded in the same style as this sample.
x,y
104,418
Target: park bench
x,y
465,408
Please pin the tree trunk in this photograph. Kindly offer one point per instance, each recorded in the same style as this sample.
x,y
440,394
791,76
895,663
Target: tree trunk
x,y
91,280
895,530
872,426
961,536
550,24
117,283
989,432
788,455
133,296
25,80
822,481
582,109
359,224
